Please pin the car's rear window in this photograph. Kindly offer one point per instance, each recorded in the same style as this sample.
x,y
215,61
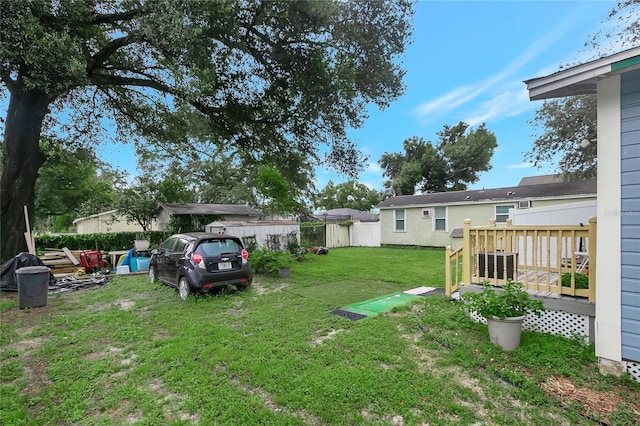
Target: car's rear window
x,y
217,247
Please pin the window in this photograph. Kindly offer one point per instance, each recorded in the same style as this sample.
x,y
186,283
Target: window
x,y
217,247
399,220
167,246
426,213
180,245
440,216
502,213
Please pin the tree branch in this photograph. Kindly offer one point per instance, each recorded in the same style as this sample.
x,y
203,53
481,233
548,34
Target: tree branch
x,y
100,57
116,80
112,18
8,81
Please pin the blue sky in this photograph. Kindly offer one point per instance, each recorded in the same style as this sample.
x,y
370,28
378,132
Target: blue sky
x,y
467,63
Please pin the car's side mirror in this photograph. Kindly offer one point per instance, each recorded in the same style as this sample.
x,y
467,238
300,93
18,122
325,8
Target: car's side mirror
x,y
155,251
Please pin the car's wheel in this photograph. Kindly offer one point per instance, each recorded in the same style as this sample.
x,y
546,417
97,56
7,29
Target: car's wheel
x,y
183,288
243,287
152,274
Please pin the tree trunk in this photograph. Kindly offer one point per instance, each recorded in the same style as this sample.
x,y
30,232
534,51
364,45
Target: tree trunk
x,y
20,164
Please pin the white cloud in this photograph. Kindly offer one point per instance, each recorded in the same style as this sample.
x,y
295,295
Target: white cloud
x,y
521,166
373,168
456,97
508,101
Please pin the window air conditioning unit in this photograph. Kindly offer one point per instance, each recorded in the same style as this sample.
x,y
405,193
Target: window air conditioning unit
x,y
426,213
524,204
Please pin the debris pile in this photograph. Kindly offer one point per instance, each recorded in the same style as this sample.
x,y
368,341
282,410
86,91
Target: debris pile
x,y
71,283
62,262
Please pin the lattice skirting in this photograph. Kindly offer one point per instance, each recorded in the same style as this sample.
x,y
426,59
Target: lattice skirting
x,y
633,368
561,323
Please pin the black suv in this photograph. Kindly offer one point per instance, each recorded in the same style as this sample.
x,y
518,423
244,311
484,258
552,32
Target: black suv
x,y
200,262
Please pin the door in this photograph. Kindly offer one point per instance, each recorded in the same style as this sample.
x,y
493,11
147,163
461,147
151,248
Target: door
x,y
174,260
162,258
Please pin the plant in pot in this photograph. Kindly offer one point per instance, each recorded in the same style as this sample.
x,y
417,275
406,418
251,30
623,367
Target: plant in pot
x,y
271,262
283,263
504,310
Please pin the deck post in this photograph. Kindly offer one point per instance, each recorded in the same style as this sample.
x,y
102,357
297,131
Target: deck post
x,y
508,243
466,252
593,224
447,272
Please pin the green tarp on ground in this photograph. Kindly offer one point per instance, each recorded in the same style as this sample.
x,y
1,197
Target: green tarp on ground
x,y
380,304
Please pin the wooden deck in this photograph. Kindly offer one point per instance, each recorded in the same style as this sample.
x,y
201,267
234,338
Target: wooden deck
x,y
536,256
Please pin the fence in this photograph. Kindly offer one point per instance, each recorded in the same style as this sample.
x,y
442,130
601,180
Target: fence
x,y
333,235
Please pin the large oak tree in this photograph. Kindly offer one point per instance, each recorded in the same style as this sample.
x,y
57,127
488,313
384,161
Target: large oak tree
x,y
454,162
283,78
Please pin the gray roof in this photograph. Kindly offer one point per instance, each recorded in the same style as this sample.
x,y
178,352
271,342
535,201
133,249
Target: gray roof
x,y
249,223
457,233
355,214
179,209
526,192
536,180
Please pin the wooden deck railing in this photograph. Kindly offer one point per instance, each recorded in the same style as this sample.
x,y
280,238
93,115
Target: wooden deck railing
x,y
550,258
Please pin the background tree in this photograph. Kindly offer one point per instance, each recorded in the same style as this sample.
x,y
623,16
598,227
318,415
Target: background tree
x,y
221,176
268,78
350,194
620,30
276,196
562,125
71,182
139,203
456,161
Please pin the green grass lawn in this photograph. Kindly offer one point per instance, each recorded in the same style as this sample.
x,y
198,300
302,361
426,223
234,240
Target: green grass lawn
x,y
131,352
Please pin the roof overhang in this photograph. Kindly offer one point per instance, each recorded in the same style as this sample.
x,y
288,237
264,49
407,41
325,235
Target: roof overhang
x,y
582,79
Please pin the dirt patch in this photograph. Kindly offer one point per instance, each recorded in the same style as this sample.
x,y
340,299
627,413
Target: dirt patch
x,y
173,399
261,289
13,316
320,339
599,405
126,305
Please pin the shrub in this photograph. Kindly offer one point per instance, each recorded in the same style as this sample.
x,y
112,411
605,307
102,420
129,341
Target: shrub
x,y
265,261
581,280
512,301
104,241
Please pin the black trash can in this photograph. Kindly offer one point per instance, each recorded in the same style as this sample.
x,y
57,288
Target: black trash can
x,y
33,286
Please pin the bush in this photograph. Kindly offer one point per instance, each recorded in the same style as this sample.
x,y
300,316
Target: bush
x,y
513,301
265,261
105,241
581,280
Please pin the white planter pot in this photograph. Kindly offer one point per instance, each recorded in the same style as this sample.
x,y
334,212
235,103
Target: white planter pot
x,y
505,332
141,245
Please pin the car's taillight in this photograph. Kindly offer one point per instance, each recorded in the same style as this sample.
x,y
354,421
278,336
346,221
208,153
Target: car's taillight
x,y
196,258
245,255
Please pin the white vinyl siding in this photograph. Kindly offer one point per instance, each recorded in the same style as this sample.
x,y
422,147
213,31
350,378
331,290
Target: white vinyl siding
x,y
399,220
502,212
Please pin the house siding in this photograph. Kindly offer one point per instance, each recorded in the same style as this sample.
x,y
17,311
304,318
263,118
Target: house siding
x,y
630,214
419,230
107,222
